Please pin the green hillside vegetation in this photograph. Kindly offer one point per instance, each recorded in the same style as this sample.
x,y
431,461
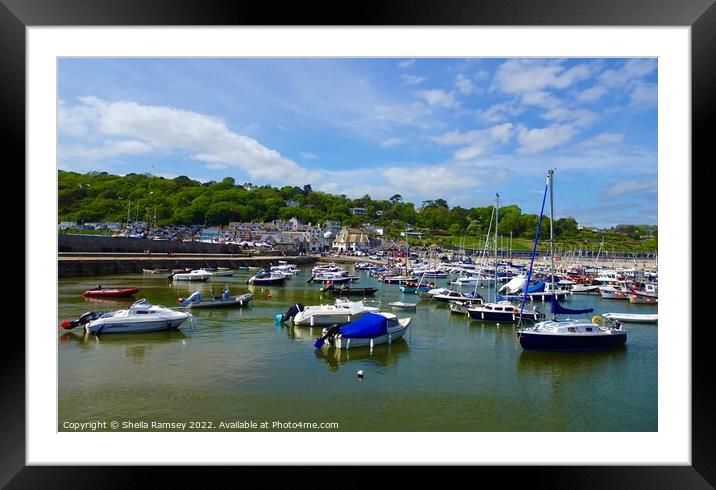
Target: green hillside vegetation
x,y
101,197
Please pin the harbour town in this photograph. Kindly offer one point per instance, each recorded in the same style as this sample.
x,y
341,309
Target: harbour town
x,y
457,246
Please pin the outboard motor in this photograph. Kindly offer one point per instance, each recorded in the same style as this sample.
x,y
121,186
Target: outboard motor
x,y
196,296
84,318
290,313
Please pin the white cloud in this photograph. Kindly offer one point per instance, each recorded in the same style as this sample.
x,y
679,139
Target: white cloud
x,y
469,152
630,71
644,94
579,117
428,179
591,94
169,129
603,139
439,98
539,139
478,141
640,188
412,79
540,99
392,142
464,85
521,76
307,155
496,134
500,112
406,64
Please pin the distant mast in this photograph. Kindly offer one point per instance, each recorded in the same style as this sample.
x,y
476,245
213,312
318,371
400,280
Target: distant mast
x,y
550,174
497,227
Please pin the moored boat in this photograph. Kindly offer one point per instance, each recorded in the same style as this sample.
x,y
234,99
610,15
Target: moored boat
x,y
264,277
195,275
196,300
342,312
632,317
142,316
345,290
369,330
570,334
400,305
100,292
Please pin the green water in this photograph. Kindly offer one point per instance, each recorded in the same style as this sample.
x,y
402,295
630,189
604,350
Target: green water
x,y
238,366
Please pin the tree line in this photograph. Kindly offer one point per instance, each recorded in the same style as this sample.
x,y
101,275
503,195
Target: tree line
x,y
102,197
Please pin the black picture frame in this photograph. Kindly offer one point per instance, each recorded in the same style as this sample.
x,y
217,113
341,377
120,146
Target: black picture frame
x,y
700,15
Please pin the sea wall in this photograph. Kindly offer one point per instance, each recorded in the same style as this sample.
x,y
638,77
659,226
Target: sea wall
x,y
104,244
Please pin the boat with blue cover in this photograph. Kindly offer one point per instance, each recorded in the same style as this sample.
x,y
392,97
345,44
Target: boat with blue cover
x,y
369,330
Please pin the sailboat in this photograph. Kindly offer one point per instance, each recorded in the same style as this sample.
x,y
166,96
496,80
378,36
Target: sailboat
x,y
501,311
567,334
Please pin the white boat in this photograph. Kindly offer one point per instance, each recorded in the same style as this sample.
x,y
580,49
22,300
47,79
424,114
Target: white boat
x,y
195,275
458,296
632,317
343,311
400,305
368,331
222,273
142,316
266,278
196,300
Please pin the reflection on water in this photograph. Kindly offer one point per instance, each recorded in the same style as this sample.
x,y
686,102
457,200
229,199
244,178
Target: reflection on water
x,y
110,303
570,363
136,346
382,355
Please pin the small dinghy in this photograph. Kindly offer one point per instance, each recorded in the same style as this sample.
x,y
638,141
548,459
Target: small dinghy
x,y
400,305
100,292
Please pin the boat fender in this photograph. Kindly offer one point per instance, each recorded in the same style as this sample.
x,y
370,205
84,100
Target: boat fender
x,y
598,320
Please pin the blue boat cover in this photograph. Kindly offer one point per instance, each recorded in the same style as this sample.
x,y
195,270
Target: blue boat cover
x,y
538,287
368,326
557,309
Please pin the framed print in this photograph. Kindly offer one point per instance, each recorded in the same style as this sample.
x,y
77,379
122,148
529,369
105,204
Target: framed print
x,y
99,94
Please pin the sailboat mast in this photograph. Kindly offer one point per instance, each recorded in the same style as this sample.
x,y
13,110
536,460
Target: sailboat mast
x,y
551,229
497,225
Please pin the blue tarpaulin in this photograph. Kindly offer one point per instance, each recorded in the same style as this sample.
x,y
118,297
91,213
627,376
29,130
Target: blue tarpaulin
x,y
538,287
368,326
559,309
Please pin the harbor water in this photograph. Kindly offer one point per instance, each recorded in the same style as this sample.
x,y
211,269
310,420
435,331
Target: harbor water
x,y
233,367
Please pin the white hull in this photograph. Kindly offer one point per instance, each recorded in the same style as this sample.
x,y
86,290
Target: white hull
x,y
192,276
142,316
403,306
321,318
124,326
632,317
389,338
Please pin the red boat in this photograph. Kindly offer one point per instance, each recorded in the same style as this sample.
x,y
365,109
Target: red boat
x,y
100,292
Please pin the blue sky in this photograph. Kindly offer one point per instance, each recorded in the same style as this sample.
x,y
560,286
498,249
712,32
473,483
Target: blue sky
x,y
425,128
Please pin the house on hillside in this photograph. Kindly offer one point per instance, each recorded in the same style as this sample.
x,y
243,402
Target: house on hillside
x,y
351,239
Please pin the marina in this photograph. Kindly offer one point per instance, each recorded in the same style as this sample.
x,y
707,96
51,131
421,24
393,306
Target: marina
x,y
242,363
